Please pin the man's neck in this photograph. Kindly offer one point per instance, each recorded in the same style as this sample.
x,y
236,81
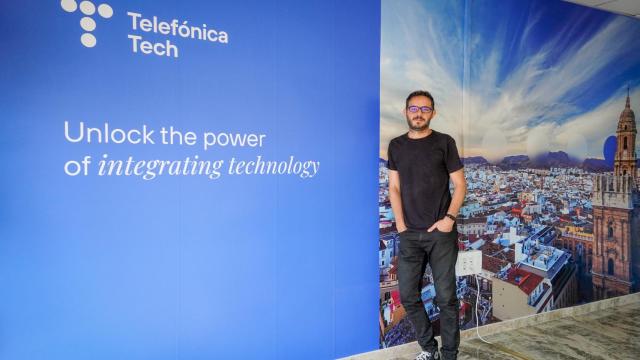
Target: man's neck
x,y
413,134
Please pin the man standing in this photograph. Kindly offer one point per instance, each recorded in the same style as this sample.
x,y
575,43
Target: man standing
x,y
421,163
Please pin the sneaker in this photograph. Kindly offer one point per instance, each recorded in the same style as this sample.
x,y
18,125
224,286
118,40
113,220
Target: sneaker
x,y
429,355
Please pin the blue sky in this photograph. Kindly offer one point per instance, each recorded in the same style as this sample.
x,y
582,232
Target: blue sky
x,y
510,76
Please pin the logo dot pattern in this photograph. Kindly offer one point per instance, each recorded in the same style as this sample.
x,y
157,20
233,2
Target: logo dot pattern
x,y
87,23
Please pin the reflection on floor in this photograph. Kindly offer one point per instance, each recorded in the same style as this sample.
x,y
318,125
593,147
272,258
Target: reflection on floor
x,y
606,329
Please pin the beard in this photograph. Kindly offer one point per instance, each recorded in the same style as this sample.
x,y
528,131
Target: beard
x,y
416,127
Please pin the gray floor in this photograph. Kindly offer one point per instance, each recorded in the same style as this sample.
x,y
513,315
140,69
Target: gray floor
x,y
605,329
608,334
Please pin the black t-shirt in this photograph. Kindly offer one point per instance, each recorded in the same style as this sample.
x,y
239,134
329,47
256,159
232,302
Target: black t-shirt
x,y
424,166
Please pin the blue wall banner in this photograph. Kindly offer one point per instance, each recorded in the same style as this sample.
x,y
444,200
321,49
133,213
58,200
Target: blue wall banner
x,y
189,180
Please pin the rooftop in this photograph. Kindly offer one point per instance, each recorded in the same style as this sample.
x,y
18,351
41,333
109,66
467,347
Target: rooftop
x,y
492,264
526,281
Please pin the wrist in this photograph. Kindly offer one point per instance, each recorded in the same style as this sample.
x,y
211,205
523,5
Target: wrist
x,y
450,217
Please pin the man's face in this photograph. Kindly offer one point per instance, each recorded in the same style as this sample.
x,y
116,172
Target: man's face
x,y
419,120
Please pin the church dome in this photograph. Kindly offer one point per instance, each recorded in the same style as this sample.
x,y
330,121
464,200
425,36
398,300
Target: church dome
x,y
627,118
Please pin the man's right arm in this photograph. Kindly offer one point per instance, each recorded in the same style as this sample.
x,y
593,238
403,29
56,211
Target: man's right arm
x,y
396,200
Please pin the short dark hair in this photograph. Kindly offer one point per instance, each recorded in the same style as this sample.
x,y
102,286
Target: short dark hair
x,y
420,93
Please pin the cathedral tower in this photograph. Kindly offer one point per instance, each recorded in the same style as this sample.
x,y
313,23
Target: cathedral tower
x,y
625,160
616,217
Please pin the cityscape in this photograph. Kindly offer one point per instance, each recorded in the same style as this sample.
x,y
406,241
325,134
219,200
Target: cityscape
x,y
553,233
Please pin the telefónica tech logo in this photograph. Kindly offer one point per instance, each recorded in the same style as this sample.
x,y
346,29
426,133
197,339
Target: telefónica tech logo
x,y
87,23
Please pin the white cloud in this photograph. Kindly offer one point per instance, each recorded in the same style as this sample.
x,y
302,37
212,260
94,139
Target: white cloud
x,y
597,125
418,54
530,110
538,97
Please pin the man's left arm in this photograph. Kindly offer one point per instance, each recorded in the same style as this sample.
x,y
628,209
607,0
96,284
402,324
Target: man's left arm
x,y
460,190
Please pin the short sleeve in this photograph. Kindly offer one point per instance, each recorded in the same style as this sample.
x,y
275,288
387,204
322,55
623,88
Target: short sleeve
x,y
391,163
452,160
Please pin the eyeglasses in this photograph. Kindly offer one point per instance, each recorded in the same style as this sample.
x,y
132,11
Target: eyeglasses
x,y
424,109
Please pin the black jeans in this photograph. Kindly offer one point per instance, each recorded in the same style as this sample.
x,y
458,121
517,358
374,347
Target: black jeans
x,y
440,250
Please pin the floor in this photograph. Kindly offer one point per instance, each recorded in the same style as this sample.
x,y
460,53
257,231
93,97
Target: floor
x,y
608,334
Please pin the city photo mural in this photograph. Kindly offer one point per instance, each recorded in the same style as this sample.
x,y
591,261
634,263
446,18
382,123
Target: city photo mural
x,y
540,98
